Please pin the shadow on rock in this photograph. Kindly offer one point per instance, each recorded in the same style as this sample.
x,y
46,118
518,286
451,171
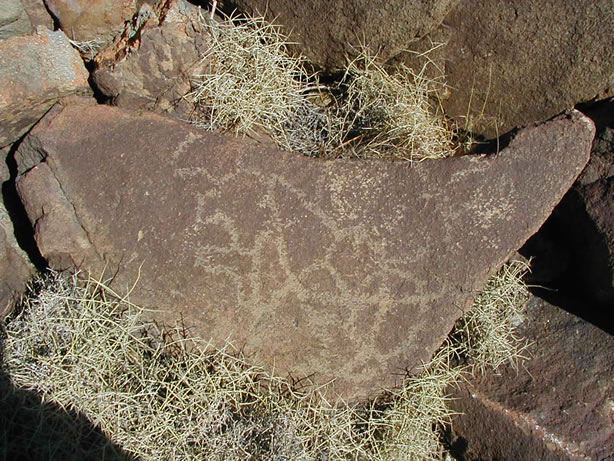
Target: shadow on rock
x,y
573,252
570,266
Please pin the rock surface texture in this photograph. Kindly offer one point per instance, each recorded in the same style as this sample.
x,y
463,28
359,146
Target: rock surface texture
x,y
327,32
152,65
596,189
35,71
351,270
13,19
38,14
507,64
557,406
520,62
15,268
574,250
84,20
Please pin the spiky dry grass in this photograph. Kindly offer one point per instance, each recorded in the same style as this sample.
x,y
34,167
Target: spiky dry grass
x,y
155,392
487,334
87,48
254,83
160,394
392,115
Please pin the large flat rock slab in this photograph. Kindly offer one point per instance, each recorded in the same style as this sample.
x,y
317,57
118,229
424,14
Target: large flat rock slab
x,y
352,270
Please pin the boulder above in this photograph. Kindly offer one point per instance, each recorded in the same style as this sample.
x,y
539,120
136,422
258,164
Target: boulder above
x,y
510,64
35,72
328,32
506,64
345,270
84,20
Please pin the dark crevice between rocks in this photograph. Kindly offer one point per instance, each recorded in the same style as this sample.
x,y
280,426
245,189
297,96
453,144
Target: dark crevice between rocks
x,y
571,267
56,23
456,445
226,7
601,112
100,97
570,264
482,145
23,231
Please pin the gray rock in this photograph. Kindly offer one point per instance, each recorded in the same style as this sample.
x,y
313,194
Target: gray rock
x,y
13,19
351,270
35,72
557,406
151,67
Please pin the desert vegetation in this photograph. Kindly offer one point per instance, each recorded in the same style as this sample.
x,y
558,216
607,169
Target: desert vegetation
x,y
254,84
158,392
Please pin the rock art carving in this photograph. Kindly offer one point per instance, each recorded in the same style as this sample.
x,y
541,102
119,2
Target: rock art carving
x,y
346,270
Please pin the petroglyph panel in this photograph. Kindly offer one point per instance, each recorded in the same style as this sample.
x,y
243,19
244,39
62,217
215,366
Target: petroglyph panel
x,y
352,270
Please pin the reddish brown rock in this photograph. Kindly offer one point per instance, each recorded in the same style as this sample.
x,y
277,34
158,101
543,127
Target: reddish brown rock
x,y
574,250
84,20
35,72
595,187
349,270
151,66
328,32
15,267
509,64
558,406
598,199
38,14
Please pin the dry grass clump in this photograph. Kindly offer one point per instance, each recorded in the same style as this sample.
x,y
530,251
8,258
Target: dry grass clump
x,y
413,415
255,84
486,335
159,394
87,48
392,115
155,392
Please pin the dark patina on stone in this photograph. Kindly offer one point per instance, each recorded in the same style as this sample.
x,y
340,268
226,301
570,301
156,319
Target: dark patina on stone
x,y
345,270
